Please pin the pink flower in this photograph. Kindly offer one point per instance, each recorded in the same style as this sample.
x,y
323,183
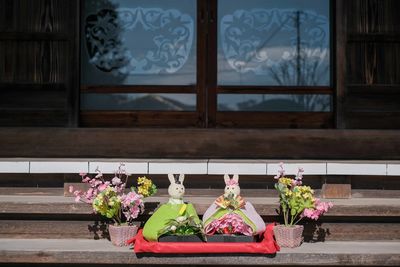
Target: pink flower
x,y
82,174
103,186
116,181
281,172
231,224
77,198
132,205
299,176
319,210
70,189
311,213
322,206
86,179
120,188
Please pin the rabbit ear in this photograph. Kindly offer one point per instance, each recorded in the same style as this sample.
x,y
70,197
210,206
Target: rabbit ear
x,y
236,178
181,177
227,178
171,178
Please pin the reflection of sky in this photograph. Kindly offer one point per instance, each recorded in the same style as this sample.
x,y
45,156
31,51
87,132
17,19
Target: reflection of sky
x,y
139,46
318,6
187,74
271,45
276,102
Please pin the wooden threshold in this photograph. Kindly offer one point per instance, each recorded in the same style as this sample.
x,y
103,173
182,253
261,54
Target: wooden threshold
x,y
191,143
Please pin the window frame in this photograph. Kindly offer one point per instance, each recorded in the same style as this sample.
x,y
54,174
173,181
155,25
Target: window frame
x,y
207,90
266,119
133,118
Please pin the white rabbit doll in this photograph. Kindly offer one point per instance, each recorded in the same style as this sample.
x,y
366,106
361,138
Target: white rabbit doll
x,y
176,189
232,207
173,209
232,185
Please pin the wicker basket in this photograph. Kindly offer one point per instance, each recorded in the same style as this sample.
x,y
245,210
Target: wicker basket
x,y
119,234
289,236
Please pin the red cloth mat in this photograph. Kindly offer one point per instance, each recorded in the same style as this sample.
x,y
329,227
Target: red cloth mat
x,y
266,246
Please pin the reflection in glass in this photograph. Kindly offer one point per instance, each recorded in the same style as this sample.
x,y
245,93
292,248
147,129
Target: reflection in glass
x,y
283,42
283,103
139,42
134,101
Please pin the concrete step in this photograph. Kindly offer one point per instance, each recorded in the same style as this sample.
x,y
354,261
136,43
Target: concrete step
x,y
67,229
266,206
73,251
46,213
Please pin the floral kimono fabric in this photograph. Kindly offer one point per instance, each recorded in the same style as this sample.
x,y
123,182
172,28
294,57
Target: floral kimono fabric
x,y
164,214
232,217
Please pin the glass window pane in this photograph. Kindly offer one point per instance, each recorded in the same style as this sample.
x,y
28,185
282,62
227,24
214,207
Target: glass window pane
x,y
275,42
265,102
138,42
159,102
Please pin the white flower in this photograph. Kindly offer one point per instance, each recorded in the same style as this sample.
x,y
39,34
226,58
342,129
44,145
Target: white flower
x,y
116,181
173,228
180,218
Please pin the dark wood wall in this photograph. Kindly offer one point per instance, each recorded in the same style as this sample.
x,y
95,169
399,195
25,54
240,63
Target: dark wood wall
x,y
39,67
39,86
371,47
39,63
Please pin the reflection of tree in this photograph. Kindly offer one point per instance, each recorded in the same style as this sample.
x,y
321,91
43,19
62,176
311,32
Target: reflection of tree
x,y
302,66
309,61
312,102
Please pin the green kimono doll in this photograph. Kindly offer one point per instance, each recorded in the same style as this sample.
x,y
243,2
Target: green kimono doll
x,y
175,209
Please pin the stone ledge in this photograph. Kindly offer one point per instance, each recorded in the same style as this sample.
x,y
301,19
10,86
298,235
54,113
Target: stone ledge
x,y
97,228
265,206
73,251
203,166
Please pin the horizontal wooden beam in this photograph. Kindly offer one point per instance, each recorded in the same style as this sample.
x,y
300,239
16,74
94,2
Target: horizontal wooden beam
x,y
200,143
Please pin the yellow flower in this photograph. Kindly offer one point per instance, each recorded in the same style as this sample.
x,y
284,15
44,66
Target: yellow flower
x,y
143,191
285,181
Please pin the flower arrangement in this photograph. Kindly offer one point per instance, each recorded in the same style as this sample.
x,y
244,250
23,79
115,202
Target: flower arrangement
x,y
110,199
297,201
183,226
229,224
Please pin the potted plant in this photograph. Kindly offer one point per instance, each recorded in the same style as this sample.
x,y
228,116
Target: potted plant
x,y
297,202
111,200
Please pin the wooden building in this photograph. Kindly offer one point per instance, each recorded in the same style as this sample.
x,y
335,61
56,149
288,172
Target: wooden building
x,y
202,80
49,77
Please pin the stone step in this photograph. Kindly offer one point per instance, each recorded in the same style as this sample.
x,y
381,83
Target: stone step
x,y
266,206
46,213
81,251
323,231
